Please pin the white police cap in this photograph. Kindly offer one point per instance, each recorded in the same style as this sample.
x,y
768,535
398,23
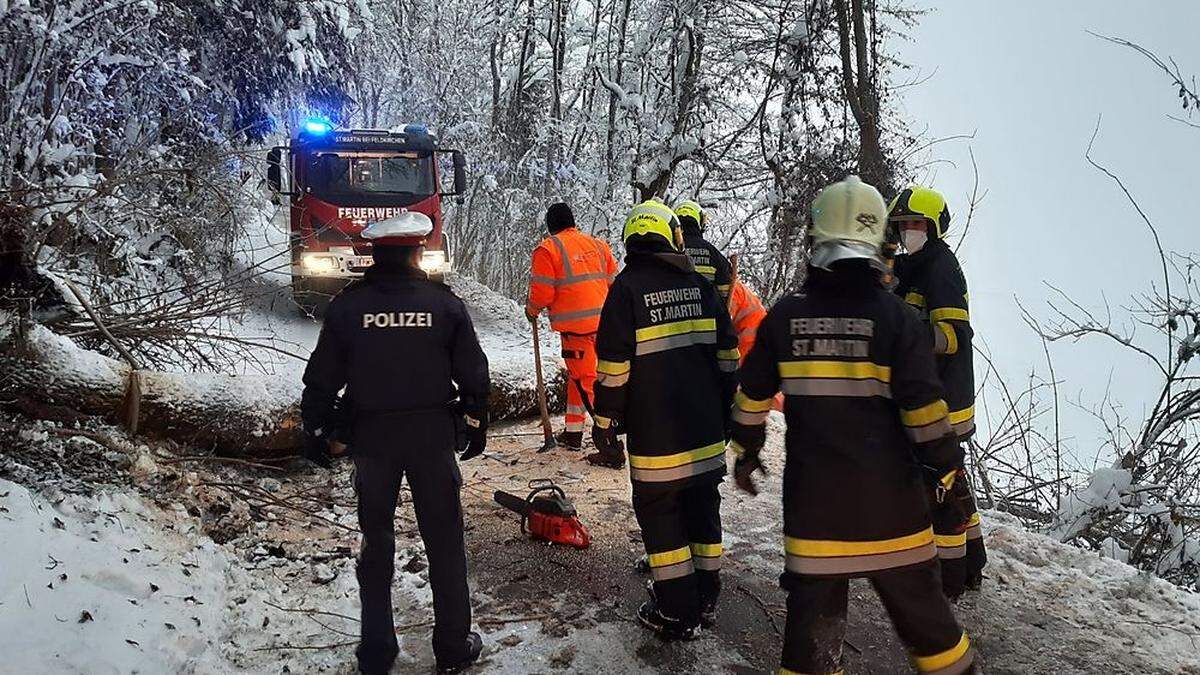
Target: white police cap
x,y
407,225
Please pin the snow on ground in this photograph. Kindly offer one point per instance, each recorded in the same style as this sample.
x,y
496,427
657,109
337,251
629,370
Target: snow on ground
x,y
100,586
280,591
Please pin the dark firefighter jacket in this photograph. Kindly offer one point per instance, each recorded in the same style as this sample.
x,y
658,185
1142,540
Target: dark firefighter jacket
x,y
395,340
932,282
867,429
667,355
709,262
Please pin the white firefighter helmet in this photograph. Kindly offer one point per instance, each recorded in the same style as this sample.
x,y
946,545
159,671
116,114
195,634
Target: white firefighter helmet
x,y
849,220
409,228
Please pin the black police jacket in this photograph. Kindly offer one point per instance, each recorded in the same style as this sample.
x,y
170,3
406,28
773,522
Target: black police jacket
x,y
867,428
932,282
667,355
399,343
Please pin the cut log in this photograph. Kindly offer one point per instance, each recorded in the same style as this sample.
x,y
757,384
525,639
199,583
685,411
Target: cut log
x,y
229,414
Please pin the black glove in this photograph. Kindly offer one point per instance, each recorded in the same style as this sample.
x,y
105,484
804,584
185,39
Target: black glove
x,y
316,450
750,438
606,441
743,471
474,429
617,426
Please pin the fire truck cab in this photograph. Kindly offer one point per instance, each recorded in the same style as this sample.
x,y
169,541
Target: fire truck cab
x,y
339,181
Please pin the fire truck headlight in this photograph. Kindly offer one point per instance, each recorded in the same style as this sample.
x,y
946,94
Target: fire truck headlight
x,y
434,261
318,263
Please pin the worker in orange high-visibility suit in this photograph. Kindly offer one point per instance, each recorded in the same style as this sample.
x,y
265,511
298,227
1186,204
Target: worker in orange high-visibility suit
x,y
747,312
570,276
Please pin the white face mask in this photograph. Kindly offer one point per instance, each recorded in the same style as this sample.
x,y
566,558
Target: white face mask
x,y
914,240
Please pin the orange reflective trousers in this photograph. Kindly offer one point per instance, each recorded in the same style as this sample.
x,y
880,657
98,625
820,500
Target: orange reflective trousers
x,y
579,352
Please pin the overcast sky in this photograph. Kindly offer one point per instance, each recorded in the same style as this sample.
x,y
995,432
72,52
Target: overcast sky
x,y
1026,77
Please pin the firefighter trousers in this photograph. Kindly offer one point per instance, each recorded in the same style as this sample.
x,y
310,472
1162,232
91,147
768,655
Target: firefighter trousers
x,y
681,530
912,596
579,353
418,447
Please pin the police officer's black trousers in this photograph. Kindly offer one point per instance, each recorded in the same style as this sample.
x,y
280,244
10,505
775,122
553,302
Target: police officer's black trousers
x,y
681,530
387,449
912,596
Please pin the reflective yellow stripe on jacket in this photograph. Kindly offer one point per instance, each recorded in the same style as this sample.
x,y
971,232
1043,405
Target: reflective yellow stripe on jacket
x,y
927,423
728,359
835,378
612,373
674,335
962,421
749,411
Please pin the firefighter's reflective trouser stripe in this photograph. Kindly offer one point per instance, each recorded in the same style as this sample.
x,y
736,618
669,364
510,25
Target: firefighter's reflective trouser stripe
x,y
835,378
825,557
681,530
677,466
912,596
579,353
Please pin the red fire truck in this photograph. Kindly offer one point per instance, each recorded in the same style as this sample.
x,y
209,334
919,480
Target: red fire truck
x,y
339,181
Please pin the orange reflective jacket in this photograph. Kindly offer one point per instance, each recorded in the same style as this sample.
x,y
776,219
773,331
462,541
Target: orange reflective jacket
x,y
570,275
747,312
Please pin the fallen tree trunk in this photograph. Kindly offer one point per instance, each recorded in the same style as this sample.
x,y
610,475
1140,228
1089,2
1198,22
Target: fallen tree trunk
x,y
228,414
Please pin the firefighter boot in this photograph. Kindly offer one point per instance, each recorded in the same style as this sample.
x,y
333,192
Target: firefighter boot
x,y
666,627
474,649
570,440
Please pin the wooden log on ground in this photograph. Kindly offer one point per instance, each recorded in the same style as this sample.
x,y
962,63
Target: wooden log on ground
x,y
232,415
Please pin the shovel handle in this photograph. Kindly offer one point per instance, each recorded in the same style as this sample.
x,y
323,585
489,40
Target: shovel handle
x,y
547,430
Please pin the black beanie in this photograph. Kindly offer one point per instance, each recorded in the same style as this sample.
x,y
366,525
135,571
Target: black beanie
x,y
559,217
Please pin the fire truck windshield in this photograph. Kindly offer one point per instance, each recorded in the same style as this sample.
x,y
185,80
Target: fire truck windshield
x,y
371,174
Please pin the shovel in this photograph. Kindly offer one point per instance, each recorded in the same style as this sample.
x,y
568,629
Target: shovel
x,y
547,431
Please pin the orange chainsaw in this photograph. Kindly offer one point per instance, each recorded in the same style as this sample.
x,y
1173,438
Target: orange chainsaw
x,y
547,514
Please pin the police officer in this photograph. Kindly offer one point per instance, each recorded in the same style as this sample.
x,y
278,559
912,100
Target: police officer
x,y
667,356
399,343
931,281
869,445
709,261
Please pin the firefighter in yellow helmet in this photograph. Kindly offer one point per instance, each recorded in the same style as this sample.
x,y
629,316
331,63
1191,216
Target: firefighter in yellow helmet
x,y
869,445
665,375
930,279
709,261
